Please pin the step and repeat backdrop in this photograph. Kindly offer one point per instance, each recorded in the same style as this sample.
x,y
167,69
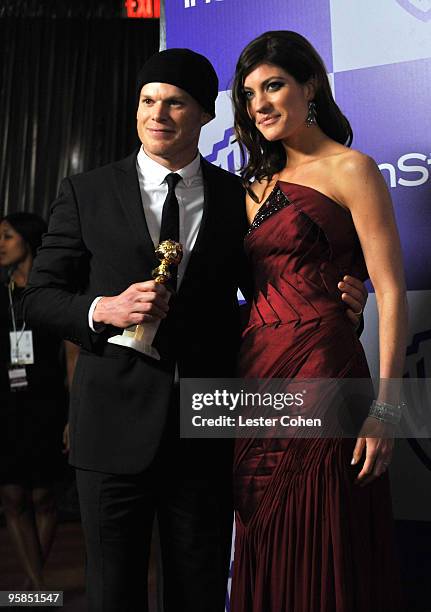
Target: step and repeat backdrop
x,y
378,57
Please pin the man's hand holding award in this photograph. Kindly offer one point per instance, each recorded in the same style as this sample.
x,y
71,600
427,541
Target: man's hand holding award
x,y
140,337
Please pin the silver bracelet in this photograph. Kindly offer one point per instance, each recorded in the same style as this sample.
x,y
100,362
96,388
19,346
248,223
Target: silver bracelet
x,y
388,413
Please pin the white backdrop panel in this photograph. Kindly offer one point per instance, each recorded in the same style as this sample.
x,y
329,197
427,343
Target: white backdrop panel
x,y
376,32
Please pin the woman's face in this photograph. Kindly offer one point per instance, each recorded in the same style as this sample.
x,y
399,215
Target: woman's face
x,y
13,248
276,102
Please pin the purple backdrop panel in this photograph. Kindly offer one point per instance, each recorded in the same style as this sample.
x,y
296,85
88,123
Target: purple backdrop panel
x,y
220,29
388,107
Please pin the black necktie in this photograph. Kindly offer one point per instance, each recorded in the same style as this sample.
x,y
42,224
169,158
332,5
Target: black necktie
x,y
170,227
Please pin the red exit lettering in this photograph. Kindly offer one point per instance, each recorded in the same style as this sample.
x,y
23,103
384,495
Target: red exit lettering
x,y
144,9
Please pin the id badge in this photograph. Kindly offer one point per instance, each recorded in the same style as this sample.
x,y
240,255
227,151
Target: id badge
x,y
17,378
21,348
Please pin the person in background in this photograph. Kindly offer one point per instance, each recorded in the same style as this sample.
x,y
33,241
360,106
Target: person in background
x,y
33,402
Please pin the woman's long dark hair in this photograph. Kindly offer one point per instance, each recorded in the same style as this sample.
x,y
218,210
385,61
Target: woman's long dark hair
x,y
293,53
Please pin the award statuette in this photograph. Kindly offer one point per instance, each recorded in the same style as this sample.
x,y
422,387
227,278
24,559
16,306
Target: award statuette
x,y
140,337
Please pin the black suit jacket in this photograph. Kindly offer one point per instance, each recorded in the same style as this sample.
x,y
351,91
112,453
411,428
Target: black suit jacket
x,y
98,244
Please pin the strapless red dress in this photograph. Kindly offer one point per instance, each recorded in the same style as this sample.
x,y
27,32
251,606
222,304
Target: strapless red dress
x,y
308,539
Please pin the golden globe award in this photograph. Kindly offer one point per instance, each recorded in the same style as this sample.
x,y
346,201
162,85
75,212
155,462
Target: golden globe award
x,y
140,337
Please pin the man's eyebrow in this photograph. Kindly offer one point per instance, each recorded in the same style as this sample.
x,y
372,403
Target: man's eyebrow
x,y
178,98
173,98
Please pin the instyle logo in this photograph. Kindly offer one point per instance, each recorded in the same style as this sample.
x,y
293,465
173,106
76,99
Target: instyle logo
x,y
192,3
411,170
421,9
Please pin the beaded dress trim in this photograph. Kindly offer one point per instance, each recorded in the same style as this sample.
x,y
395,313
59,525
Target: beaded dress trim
x,y
277,200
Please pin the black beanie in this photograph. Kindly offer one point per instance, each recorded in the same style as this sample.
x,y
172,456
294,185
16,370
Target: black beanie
x,y
185,69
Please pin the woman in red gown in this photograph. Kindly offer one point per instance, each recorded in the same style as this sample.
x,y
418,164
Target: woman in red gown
x,y
313,516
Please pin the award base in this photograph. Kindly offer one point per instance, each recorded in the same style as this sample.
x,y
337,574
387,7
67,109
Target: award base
x,y
139,338
137,345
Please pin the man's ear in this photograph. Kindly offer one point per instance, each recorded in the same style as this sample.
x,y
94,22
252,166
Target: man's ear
x,y
205,118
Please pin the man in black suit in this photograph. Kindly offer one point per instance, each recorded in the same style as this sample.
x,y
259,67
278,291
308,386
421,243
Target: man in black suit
x,y
90,280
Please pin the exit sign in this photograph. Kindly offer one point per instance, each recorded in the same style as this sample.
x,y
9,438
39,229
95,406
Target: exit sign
x,y
144,9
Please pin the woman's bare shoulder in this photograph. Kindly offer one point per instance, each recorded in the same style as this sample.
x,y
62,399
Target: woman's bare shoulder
x,y
352,162
359,180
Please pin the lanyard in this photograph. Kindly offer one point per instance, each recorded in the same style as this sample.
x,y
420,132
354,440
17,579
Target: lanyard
x,y
12,310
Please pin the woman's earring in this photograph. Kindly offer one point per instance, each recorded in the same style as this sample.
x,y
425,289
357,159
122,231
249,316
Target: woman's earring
x,y
312,114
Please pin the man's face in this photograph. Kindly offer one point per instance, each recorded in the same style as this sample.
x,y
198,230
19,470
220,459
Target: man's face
x,y
169,122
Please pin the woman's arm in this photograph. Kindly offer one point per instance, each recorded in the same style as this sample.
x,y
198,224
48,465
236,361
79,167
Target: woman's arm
x,y
363,190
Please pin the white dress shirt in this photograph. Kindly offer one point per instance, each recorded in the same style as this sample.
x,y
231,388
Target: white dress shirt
x,y
190,196
154,189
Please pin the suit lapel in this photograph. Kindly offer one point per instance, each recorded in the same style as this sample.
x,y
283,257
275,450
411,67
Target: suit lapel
x,y
207,209
203,238
130,197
